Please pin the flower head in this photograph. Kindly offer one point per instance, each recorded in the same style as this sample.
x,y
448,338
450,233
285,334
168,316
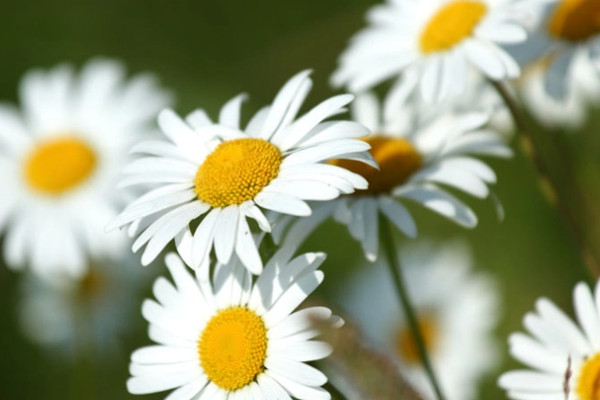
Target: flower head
x,y
563,356
566,36
61,156
233,337
227,175
416,160
83,315
433,44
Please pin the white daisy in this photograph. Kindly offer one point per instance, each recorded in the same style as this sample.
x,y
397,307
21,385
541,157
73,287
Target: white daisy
x,y
457,310
234,339
414,159
570,111
60,157
217,169
433,44
83,315
563,357
569,30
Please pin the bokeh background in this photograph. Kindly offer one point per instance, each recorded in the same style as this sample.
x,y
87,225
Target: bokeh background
x,y
207,52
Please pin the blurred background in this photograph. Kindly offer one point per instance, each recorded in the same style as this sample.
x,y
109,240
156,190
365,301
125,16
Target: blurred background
x,y
207,52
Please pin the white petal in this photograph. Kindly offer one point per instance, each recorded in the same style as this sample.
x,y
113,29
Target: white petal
x,y
282,202
230,113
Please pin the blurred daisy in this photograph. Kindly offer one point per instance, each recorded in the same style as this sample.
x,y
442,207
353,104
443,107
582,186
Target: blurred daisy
x,y
414,159
570,111
276,163
456,310
83,315
570,30
563,356
432,43
234,339
60,157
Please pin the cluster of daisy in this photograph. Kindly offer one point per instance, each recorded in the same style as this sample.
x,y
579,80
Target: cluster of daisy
x,y
233,199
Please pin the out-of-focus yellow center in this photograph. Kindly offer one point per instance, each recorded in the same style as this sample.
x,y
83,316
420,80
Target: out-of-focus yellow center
x,y
59,165
92,283
233,348
406,345
575,20
451,25
588,383
236,171
397,159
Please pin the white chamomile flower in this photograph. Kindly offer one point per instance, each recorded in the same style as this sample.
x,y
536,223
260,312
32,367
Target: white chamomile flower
x,y
415,162
88,314
563,357
456,308
60,158
234,339
571,110
569,30
433,44
227,174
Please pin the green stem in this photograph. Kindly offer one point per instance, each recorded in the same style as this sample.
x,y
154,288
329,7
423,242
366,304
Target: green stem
x,y
549,184
387,240
334,391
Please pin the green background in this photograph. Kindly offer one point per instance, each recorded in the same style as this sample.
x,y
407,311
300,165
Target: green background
x,y
207,52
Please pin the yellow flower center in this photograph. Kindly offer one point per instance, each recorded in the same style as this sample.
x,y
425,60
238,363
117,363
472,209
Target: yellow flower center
x,y
397,159
588,383
575,20
406,345
60,164
233,348
236,171
451,25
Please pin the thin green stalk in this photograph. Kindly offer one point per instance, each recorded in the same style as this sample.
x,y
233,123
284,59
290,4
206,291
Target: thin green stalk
x,y
387,240
334,391
549,184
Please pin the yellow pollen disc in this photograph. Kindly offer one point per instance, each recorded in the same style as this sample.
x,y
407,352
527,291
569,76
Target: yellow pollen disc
x,y
60,164
451,25
588,383
236,171
406,346
233,348
575,20
397,159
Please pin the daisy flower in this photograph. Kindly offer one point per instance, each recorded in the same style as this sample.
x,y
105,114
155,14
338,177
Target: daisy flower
x,y
234,339
570,29
571,110
88,314
227,175
456,308
432,43
60,158
415,161
563,356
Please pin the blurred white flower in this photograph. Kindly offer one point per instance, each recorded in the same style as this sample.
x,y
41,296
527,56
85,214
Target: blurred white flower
x,y
457,310
433,44
89,314
217,169
232,338
573,109
417,156
60,157
563,357
569,30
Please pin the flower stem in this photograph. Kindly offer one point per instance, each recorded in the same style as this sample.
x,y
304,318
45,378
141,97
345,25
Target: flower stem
x,y
334,391
387,239
548,183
